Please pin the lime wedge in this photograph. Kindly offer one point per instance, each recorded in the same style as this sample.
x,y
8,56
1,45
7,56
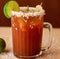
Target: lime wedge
x,y
9,7
2,45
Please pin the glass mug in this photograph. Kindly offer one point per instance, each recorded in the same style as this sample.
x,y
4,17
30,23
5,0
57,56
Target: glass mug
x,y
27,36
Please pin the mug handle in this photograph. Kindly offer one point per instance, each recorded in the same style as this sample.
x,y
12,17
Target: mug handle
x,y
49,27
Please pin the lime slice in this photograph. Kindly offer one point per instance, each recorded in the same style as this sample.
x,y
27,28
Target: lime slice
x,y
2,45
9,7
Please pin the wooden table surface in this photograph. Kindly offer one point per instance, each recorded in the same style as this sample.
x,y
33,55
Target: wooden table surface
x,y
53,53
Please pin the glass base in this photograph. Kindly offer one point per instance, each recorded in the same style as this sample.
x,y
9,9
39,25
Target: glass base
x,y
29,57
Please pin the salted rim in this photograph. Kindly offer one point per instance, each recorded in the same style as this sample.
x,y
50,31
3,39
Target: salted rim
x,y
27,14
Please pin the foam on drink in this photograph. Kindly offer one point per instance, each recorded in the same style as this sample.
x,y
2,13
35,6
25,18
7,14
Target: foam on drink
x,y
30,11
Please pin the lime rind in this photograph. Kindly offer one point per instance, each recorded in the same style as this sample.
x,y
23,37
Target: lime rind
x,y
9,7
5,12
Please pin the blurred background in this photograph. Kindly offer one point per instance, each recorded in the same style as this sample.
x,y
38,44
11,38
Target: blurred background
x,y
52,8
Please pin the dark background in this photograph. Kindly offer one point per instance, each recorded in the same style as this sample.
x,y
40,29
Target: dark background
x,y
52,8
